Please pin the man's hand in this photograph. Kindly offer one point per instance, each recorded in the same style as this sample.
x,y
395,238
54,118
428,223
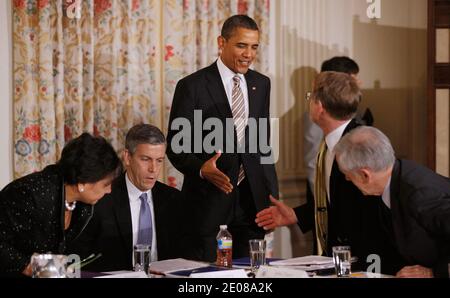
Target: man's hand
x,y
27,271
210,172
416,271
275,216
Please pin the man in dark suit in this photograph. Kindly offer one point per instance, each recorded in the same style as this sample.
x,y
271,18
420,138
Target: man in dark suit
x,y
120,221
416,200
312,133
230,181
338,215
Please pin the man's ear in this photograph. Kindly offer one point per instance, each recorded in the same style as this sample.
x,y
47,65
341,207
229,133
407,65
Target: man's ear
x,y
126,156
320,108
366,175
221,42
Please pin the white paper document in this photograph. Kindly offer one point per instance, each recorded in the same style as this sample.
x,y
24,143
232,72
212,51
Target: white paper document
x,y
310,267
238,273
304,261
280,272
124,274
167,266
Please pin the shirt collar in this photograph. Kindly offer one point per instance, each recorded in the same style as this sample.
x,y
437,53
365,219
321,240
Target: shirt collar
x,y
386,196
227,74
134,192
333,137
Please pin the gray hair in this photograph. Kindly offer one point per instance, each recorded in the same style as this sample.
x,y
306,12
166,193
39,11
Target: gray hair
x,y
143,134
365,147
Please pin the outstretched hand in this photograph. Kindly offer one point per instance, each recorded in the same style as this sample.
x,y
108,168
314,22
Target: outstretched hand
x,y
275,216
210,172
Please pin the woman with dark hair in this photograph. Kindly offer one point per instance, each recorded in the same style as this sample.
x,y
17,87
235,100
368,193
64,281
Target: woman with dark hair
x,y
41,212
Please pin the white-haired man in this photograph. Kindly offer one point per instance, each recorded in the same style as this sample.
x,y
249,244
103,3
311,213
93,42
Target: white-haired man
x,y
417,200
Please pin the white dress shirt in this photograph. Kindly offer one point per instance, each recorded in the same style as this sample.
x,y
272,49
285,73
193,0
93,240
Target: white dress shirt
x,y
135,207
332,139
227,76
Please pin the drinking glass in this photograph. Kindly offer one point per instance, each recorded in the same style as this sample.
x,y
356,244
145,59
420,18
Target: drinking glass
x,y
48,266
257,253
341,258
141,257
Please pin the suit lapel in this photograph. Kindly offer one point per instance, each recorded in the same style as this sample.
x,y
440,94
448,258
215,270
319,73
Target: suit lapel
x,y
158,208
394,196
335,168
252,84
217,91
123,213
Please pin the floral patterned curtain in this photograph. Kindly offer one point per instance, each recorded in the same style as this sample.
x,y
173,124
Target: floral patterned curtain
x,y
114,66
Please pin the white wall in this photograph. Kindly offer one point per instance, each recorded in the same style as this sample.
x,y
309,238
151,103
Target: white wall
x,y
391,53
6,172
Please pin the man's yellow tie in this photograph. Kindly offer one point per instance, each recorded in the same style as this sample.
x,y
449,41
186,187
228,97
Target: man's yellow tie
x,y
320,200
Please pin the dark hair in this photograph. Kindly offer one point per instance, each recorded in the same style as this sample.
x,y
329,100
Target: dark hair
x,y
339,94
88,159
143,134
340,64
237,21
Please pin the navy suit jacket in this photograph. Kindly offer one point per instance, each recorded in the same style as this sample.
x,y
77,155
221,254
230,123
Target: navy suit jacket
x,y
110,230
420,207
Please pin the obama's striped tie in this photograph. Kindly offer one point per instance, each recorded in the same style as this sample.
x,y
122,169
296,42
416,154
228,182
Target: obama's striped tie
x,y
240,121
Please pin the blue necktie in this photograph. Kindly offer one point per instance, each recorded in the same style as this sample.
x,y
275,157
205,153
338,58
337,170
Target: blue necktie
x,y
145,233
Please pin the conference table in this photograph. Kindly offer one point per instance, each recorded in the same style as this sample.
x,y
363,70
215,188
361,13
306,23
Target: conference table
x,y
241,269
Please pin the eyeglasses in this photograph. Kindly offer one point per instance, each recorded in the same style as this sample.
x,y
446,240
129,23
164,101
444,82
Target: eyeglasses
x,y
308,96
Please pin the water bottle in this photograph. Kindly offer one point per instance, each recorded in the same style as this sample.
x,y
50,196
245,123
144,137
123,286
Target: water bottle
x,y
224,247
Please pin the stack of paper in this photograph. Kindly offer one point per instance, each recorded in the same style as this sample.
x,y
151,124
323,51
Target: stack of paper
x,y
307,263
280,272
232,273
168,266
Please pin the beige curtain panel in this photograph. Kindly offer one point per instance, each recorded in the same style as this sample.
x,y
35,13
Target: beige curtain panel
x,y
102,66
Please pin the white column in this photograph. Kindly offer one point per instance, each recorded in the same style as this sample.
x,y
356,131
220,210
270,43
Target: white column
x,y
391,53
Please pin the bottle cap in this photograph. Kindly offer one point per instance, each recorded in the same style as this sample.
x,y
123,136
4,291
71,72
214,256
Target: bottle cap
x,y
223,227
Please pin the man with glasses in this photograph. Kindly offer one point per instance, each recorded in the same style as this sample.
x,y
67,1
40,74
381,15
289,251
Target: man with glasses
x,y
340,214
312,134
